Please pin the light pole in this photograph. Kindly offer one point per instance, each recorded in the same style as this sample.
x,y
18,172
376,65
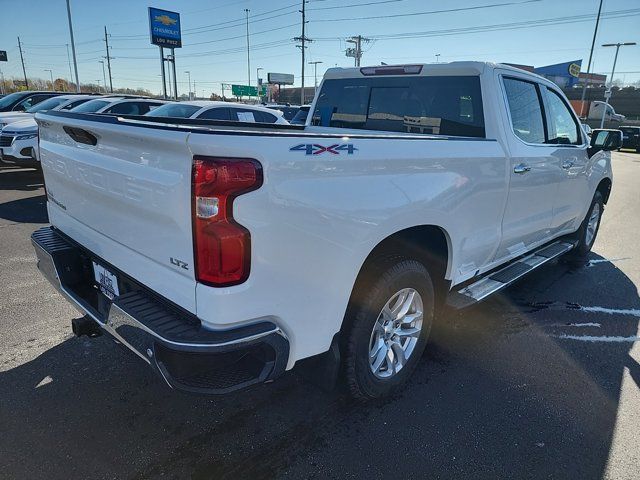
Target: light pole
x,y
246,11
73,47
607,93
104,76
437,58
53,87
258,80
315,75
189,81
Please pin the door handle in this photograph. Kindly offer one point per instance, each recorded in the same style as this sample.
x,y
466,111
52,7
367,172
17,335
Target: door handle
x,y
521,168
567,164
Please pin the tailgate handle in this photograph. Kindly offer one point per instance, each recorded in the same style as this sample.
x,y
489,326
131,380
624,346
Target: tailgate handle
x,y
80,135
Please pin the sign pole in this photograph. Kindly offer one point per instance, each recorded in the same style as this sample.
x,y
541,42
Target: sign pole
x,y
175,81
164,80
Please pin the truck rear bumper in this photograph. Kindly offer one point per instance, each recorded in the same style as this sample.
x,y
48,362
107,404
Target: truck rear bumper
x,y
167,338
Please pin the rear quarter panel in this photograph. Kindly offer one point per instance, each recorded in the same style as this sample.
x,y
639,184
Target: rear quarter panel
x,y
318,216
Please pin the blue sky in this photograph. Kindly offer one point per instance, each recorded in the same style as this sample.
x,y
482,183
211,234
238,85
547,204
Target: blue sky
x,y
214,42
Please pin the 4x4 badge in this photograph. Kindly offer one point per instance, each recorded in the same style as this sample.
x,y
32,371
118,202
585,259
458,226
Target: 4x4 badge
x,y
317,149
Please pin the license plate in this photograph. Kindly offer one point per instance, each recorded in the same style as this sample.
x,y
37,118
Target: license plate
x,y
106,280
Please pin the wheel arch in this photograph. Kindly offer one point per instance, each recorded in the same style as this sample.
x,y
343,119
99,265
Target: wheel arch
x,y
429,244
604,187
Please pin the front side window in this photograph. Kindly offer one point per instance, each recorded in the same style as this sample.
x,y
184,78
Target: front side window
x,y
563,128
526,110
447,105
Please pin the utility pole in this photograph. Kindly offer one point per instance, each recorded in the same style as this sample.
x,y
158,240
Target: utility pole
x,y
246,11
303,39
69,61
607,93
315,75
588,75
188,72
104,77
51,73
175,80
24,71
356,51
73,47
109,58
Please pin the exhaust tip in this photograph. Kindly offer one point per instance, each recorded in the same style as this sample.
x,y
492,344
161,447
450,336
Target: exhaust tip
x,y
85,326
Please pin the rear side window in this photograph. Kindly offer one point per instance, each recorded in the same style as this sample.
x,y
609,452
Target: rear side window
x,y
448,105
215,114
526,110
264,117
131,108
563,128
178,110
91,106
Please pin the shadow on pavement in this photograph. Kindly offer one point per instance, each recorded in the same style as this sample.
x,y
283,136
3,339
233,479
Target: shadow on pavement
x,y
25,210
498,395
20,179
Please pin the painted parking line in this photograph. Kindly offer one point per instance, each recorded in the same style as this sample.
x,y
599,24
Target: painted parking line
x,y
605,260
601,338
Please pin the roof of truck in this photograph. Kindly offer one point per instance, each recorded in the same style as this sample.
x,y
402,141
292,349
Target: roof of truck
x,y
421,69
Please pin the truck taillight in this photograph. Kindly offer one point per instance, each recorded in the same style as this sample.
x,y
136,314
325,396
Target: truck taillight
x,y
222,247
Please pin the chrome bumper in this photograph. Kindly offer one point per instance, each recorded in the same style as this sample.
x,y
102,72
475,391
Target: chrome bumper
x,y
171,341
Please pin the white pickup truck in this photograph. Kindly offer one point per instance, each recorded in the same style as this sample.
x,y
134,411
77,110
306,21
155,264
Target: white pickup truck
x,y
223,253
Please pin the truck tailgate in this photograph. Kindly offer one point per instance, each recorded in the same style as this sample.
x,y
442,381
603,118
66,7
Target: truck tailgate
x,y
127,198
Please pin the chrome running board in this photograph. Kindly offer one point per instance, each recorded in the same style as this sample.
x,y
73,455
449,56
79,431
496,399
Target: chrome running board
x,y
495,281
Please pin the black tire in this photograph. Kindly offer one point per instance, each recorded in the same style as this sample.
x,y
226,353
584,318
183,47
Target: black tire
x,y
583,247
389,276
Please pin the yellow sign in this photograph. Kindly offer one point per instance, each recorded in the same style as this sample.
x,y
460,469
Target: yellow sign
x,y
574,70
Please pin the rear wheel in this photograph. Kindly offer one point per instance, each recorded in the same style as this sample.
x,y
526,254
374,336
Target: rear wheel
x,y
389,327
588,231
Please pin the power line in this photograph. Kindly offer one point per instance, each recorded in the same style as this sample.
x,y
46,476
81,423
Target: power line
x,y
428,12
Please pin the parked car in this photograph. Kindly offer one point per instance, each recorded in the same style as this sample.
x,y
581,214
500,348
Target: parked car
x,y
19,137
300,118
211,110
52,102
222,257
288,111
21,101
118,105
631,137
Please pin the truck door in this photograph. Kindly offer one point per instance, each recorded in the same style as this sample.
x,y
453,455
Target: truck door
x,y
533,170
570,149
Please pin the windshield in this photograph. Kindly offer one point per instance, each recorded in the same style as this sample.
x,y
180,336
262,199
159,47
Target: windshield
x,y
174,110
47,104
90,107
10,99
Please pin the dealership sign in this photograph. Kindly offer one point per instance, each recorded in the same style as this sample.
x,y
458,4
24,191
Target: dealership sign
x,y
164,28
3,56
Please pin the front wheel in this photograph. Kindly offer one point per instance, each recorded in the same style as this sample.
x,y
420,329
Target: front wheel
x,y
389,328
588,231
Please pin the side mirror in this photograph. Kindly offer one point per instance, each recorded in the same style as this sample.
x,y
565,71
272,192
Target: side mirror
x,y
604,140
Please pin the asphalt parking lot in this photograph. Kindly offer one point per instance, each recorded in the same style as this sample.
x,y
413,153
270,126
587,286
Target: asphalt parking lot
x,y
539,382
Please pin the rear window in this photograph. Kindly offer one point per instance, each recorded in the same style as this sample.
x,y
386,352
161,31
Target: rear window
x,y
176,110
449,105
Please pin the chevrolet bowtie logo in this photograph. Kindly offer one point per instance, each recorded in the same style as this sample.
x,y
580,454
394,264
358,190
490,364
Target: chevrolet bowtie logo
x,y
165,20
